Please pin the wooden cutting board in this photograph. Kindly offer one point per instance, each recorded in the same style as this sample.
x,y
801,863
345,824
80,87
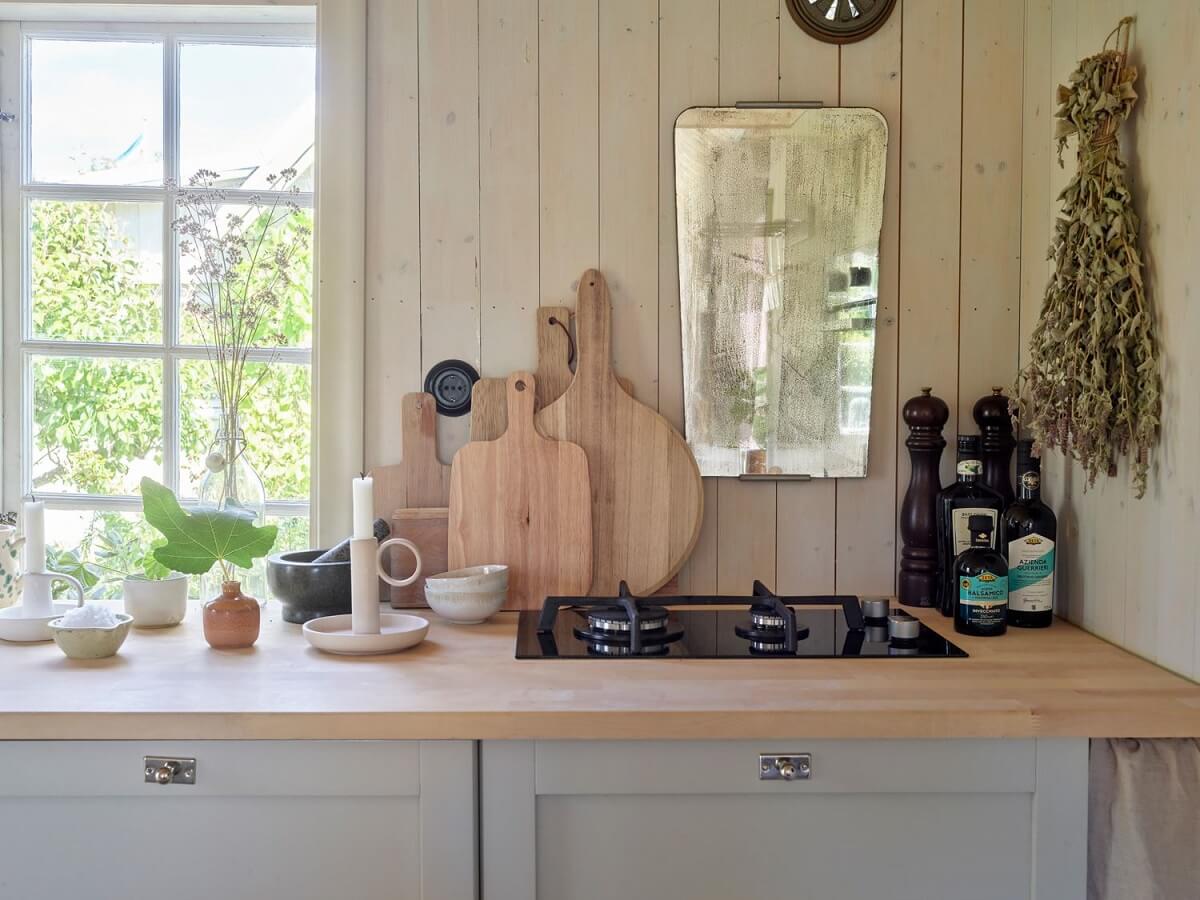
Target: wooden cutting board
x,y
489,402
426,527
419,481
647,497
523,501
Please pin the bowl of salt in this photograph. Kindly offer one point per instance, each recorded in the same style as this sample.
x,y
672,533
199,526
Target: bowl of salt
x,y
90,631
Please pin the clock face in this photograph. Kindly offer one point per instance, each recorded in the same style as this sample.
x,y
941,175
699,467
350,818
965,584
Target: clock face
x,y
840,21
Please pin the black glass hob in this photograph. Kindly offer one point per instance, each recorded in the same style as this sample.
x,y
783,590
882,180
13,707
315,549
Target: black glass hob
x,y
759,626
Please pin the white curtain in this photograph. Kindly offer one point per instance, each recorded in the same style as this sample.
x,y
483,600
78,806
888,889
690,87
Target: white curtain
x,y
1144,820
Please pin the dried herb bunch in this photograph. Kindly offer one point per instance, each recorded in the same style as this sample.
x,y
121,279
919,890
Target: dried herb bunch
x,y
1092,385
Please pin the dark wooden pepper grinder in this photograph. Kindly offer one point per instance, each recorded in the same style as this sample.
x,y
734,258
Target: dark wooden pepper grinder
x,y
995,428
925,416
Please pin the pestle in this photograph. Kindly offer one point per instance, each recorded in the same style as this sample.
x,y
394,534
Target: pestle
x,y
341,553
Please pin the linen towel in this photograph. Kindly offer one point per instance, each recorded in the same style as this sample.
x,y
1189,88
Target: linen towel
x,y
1144,820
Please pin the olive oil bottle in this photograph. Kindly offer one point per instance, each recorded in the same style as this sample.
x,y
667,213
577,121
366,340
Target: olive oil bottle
x,y
982,577
967,497
1029,533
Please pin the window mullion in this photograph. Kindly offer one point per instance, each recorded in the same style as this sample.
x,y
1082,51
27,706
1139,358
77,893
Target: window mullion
x,y
170,274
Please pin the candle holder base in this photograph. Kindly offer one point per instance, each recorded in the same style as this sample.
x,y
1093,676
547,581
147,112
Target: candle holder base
x,y
335,634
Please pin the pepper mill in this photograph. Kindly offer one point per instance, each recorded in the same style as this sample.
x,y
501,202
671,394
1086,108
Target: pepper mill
x,y
925,417
995,428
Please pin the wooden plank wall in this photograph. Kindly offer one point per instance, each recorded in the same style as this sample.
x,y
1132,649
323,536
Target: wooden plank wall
x,y
1129,567
514,143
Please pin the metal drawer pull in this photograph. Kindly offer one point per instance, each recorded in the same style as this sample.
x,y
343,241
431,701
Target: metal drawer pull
x,y
160,770
784,766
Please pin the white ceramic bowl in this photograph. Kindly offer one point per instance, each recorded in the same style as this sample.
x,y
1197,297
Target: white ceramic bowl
x,y
468,596
156,604
92,642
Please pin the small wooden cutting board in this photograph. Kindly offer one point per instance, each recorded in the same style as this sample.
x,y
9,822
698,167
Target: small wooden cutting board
x,y
523,501
647,497
489,397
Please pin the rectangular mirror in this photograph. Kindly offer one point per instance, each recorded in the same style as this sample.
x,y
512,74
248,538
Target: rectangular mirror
x,y
779,213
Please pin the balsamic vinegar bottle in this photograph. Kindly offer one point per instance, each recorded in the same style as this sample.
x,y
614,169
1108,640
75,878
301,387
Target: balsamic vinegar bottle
x,y
982,581
1029,533
967,497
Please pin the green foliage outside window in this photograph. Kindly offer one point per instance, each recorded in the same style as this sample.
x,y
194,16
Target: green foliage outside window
x,y
94,419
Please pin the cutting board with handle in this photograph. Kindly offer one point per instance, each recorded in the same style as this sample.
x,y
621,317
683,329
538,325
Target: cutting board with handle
x,y
647,497
419,481
489,401
523,501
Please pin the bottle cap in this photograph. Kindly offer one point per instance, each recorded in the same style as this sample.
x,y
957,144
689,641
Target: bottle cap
x,y
980,523
968,446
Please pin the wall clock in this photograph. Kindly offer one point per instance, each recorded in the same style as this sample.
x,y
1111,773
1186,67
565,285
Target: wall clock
x,y
840,21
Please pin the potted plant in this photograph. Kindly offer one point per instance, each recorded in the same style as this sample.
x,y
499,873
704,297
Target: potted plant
x,y
195,542
154,595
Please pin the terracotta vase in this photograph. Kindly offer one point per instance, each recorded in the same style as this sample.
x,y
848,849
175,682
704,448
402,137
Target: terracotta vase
x,y
231,618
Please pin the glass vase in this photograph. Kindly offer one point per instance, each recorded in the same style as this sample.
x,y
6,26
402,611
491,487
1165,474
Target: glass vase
x,y
232,484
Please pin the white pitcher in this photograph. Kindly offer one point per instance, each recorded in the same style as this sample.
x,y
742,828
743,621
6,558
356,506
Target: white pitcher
x,y
10,559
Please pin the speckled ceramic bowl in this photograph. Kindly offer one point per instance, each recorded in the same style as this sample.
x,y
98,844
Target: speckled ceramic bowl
x,y
468,596
91,642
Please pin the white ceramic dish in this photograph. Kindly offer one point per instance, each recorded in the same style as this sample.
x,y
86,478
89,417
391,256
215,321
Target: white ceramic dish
x,y
19,628
468,596
156,603
397,631
16,623
93,641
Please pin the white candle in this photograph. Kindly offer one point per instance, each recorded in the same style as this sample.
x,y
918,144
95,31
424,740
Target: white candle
x,y
364,508
33,523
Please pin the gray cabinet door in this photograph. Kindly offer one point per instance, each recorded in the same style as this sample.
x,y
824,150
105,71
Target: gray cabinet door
x,y
908,820
301,820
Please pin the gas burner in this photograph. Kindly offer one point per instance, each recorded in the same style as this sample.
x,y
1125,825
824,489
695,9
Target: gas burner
x,y
609,633
767,633
766,618
616,619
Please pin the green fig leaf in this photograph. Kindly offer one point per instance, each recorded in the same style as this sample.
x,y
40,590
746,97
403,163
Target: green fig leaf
x,y
196,541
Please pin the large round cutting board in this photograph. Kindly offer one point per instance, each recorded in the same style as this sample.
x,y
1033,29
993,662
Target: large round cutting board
x,y
647,497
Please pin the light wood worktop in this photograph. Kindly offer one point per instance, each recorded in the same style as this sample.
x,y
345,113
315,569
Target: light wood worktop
x,y
463,682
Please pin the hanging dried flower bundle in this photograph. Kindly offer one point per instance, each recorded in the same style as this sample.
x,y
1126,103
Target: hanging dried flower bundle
x,y
1092,385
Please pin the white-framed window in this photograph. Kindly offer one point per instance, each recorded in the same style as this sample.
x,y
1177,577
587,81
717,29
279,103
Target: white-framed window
x,y
105,379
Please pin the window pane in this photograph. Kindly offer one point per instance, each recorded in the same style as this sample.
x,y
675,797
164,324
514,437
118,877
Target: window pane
x,y
96,270
277,422
97,111
265,231
247,112
99,548
97,424
293,533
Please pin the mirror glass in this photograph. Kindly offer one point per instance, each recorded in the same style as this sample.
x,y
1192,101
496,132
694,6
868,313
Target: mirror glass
x,y
779,216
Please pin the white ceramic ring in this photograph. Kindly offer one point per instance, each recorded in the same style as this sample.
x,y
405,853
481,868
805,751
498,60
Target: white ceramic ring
x,y
383,573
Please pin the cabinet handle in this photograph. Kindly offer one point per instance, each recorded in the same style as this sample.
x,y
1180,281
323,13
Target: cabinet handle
x,y
784,766
164,771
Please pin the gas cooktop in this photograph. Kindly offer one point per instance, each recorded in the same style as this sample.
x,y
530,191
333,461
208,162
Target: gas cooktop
x,y
759,626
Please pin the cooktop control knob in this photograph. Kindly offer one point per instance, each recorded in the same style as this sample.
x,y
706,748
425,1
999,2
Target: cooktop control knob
x,y
903,627
875,608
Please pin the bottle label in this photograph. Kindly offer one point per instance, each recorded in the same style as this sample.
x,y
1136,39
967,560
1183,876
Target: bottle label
x,y
969,467
1031,481
983,599
1031,573
961,520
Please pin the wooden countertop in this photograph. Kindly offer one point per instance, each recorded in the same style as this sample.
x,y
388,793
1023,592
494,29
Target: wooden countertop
x,y
463,682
